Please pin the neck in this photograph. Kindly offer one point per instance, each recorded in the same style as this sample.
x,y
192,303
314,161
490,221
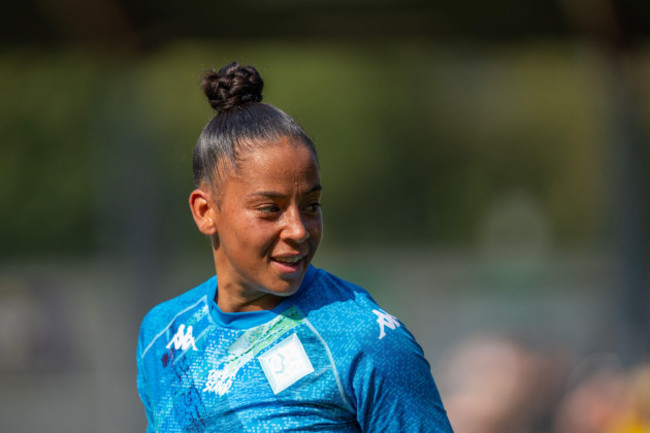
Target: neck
x,y
230,302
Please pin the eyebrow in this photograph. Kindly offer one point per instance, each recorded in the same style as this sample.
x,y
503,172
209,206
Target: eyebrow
x,y
274,194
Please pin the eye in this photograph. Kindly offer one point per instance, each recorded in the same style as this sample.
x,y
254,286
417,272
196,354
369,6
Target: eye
x,y
269,209
313,207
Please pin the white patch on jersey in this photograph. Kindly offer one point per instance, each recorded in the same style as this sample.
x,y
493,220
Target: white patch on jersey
x,y
285,363
182,340
385,319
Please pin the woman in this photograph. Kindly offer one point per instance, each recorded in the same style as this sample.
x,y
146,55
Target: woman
x,y
271,343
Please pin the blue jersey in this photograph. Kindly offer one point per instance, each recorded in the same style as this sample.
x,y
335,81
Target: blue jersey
x,y
326,359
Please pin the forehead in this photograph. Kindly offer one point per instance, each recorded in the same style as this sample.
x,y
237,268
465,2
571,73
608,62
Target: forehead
x,y
283,162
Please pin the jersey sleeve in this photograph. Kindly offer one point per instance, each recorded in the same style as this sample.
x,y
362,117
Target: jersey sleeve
x,y
143,388
393,388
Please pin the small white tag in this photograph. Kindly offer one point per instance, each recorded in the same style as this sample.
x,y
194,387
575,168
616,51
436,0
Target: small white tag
x,y
285,363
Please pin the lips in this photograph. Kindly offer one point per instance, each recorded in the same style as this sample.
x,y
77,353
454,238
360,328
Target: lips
x,y
289,263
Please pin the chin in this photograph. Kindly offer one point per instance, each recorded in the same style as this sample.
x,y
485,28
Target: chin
x,y
285,288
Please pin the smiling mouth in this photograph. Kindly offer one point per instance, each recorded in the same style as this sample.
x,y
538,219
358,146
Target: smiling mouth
x,y
291,261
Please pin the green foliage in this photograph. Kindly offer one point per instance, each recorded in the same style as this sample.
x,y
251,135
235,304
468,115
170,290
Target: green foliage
x,y
416,141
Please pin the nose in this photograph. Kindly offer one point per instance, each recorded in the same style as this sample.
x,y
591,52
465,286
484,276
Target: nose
x,y
294,227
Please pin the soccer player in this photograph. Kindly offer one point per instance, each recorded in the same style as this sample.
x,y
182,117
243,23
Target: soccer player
x,y
271,343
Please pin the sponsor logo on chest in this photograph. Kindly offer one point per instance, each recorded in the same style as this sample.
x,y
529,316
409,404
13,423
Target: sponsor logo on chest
x,y
285,363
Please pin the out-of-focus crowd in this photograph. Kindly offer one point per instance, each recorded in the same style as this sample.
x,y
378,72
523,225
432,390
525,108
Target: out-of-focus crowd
x,y
496,384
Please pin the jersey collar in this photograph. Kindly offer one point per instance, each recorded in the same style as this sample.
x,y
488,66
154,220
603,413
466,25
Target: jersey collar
x,y
250,319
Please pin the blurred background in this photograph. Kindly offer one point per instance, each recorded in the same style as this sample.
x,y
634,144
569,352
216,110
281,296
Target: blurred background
x,y
485,167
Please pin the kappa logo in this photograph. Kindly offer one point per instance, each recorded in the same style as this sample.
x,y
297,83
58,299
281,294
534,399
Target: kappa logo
x,y
385,319
182,340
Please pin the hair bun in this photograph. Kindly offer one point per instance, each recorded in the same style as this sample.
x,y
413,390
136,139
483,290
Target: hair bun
x,y
232,86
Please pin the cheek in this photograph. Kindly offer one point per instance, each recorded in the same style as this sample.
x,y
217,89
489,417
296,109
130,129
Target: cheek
x,y
255,235
315,229
240,231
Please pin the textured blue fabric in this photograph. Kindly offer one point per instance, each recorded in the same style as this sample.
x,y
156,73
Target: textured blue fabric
x,y
327,359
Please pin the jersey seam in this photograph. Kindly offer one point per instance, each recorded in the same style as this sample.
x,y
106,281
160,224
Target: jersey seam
x,y
331,359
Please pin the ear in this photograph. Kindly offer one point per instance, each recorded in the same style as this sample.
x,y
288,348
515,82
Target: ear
x,y
204,211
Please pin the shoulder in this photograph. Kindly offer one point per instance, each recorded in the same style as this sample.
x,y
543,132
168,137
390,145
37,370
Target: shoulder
x,y
329,295
382,367
329,288
163,314
339,308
